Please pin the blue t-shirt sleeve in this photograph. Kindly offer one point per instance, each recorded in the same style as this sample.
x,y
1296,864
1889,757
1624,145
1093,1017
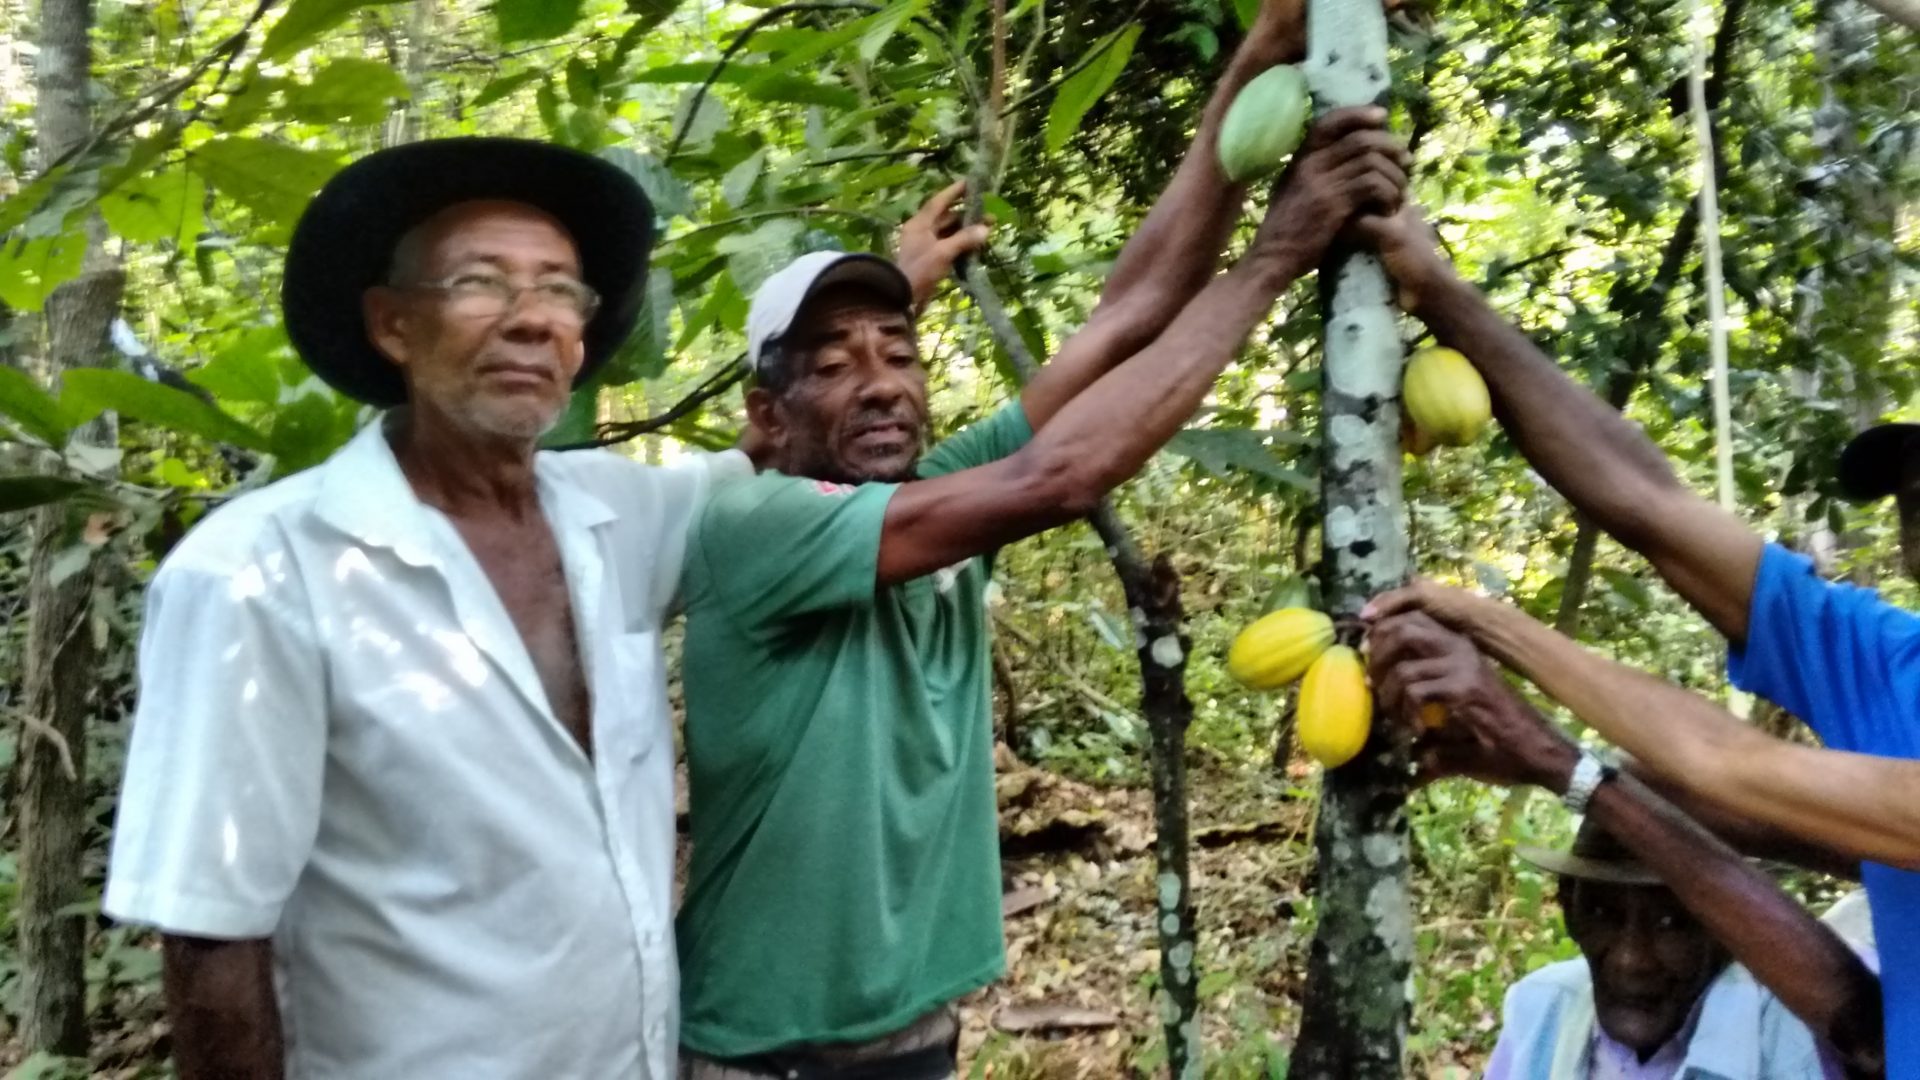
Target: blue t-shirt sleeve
x,y
1837,656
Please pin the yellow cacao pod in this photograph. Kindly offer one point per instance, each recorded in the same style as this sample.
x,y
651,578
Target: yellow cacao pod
x,y
1278,647
1336,707
1446,397
1264,124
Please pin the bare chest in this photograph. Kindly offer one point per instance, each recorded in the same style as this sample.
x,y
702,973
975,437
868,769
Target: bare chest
x,y
523,564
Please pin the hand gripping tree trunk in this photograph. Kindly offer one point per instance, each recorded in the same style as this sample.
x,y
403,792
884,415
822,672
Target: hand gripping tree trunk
x,y
1354,1023
61,640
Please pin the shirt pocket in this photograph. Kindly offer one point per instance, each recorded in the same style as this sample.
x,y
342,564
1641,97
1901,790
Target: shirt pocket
x,y
637,716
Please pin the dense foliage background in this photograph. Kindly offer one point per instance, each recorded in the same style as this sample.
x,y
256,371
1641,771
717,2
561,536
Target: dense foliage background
x,y
1553,150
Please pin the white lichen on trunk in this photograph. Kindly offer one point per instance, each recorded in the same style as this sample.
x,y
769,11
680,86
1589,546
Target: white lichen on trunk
x,y
1355,1018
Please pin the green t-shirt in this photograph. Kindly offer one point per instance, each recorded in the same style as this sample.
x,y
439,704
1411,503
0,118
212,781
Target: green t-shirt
x,y
845,874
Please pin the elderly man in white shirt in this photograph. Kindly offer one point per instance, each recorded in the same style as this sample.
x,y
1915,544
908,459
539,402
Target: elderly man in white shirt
x,y
400,789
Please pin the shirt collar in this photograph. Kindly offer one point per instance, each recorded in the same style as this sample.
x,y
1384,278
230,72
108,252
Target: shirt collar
x,y
365,495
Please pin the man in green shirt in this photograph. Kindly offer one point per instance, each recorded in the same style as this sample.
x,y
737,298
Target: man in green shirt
x,y
845,887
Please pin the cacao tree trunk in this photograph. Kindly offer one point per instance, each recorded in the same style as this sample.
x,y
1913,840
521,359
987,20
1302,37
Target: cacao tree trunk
x,y
1153,600
62,641
1354,1022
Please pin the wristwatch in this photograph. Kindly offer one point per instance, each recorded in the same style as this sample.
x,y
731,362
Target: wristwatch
x,y
1588,774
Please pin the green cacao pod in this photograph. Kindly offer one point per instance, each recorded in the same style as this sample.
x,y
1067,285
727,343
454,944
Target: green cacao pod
x,y
1278,647
1446,397
1336,708
1264,124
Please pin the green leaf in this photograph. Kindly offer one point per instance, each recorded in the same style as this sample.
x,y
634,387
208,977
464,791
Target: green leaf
x,y
305,21
160,206
350,90
29,405
90,391
1246,11
1087,86
32,267
502,87
305,432
581,420
644,354
1226,452
652,13
246,369
583,85
737,187
753,257
270,178
535,20
885,25
26,491
812,45
670,197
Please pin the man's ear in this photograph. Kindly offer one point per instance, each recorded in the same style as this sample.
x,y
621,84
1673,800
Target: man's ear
x,y
766,416
385,318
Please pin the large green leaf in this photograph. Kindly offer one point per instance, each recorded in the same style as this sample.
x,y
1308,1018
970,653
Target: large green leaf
x,y
535,20
246,369
651,14
670,197
30,406
24,492
306,431
1226,452
167,205
270,178
811,45
305,21
351,90
87,392
504,86
1087,86
32,267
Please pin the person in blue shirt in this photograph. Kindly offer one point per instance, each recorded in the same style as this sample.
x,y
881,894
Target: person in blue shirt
x,y
1834,655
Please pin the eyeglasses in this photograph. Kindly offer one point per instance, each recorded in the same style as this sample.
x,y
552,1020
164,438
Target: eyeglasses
x,y
489,296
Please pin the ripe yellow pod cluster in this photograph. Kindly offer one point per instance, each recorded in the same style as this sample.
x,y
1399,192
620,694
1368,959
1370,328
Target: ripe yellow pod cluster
x,y
1446,400
1336,707
1279,647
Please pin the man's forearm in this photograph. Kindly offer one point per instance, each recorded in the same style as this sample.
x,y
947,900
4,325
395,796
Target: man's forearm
x,y
1178,245
1601,461
220,1001
1754,839
1172,254
1852,804
1590,453
1113,428
1804,962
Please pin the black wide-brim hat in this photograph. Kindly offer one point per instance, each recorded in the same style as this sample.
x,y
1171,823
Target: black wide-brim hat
x,y
344,244
1872,464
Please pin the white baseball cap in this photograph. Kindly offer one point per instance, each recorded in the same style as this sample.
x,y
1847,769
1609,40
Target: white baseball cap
x,y
777,303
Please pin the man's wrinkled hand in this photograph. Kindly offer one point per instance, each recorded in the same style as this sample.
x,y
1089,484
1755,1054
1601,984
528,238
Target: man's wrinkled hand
x,y
1466,721
934,239
1349,164
1456,609
1410,252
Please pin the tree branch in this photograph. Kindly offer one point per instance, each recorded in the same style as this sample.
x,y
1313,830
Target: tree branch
x,y
765,19
610,434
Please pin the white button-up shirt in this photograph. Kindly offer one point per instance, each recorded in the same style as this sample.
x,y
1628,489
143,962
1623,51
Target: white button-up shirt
x,y
342,744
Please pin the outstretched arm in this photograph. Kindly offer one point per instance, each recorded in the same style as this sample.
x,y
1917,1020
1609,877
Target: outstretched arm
x,y
1104,435
1602,462
1177,248
1491,734
1855,804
